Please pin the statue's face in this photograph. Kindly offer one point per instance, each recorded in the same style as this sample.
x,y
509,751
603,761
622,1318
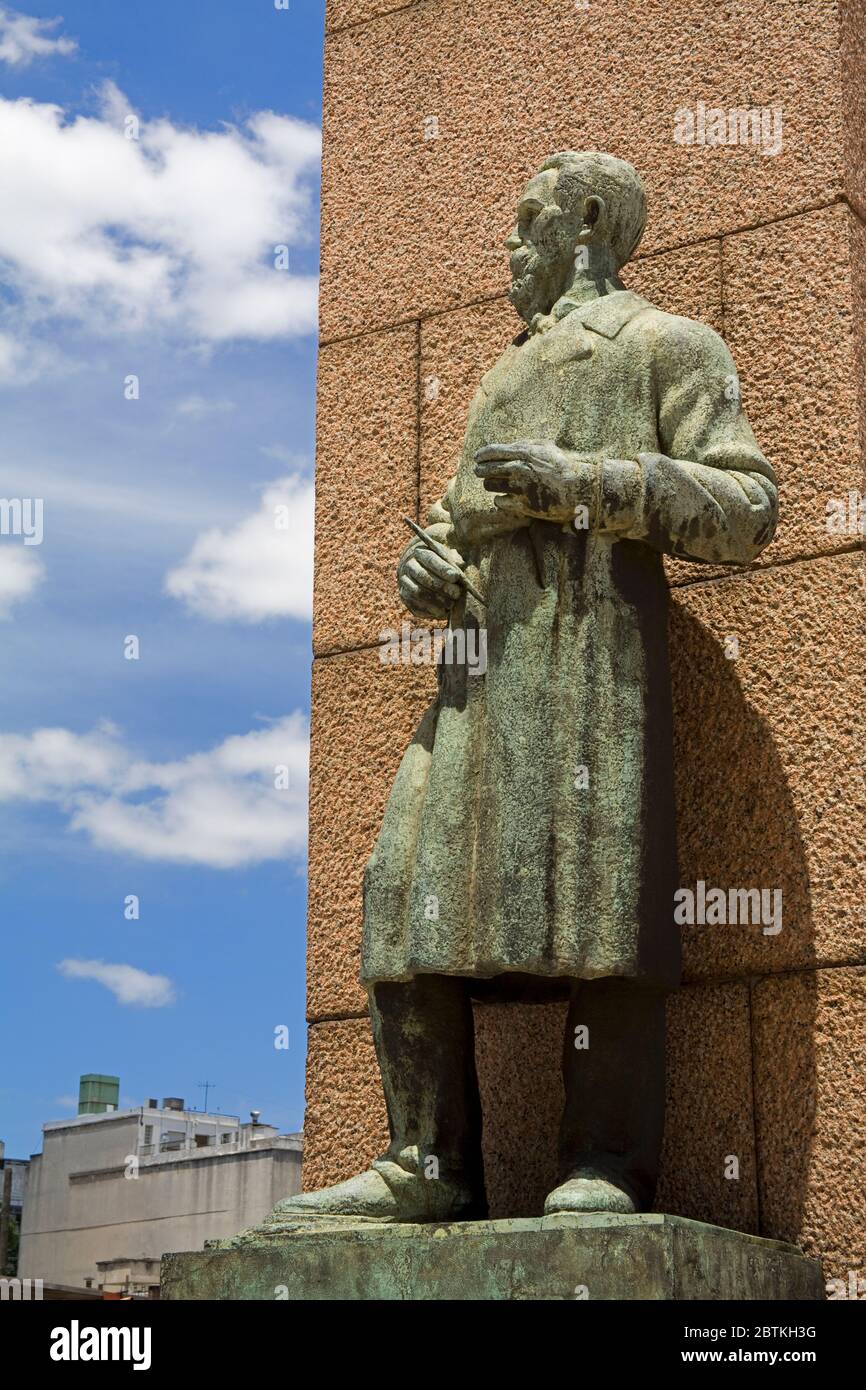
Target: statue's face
x,y
541,244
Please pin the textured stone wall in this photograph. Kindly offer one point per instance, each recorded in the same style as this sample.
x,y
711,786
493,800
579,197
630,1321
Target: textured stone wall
x,y
766,1039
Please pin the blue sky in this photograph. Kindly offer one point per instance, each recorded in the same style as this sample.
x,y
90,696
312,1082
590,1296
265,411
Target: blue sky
x,y
153,160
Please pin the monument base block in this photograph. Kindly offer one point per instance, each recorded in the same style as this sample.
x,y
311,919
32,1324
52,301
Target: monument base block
x,y
597,1256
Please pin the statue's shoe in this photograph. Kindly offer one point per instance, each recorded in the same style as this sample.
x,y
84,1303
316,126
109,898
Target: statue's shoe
x,y
367,1196
386,1193
589,1191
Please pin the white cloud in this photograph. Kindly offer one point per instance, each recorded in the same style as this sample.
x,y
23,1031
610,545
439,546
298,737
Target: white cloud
x,y
174,231
128,984
219,808
114,106
52,764
23,38
20,572
282,455
199,407
161,508
261,568
23,361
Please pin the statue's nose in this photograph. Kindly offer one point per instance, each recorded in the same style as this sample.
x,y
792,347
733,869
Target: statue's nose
x,y
513,241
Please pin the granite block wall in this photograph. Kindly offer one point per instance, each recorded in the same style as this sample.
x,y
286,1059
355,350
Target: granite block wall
x,y
435,114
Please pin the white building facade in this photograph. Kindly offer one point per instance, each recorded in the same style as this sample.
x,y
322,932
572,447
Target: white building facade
x,y
111,1193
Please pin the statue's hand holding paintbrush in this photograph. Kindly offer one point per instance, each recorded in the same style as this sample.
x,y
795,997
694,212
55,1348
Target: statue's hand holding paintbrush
x,y
430,576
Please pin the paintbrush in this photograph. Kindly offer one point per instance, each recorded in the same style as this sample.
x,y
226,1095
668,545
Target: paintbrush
x,y
443,555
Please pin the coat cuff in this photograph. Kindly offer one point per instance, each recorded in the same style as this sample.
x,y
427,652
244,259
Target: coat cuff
x,y
620,506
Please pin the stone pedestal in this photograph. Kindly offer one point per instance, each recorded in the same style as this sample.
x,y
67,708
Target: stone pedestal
x,y
559,1257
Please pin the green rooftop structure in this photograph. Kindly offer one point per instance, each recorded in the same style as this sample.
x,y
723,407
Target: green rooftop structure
x,y
96,1094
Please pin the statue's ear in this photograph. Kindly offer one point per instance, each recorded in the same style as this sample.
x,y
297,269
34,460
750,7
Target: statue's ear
x,y
594,218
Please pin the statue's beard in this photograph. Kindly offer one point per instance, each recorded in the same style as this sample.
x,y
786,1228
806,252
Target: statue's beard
x,y
531,291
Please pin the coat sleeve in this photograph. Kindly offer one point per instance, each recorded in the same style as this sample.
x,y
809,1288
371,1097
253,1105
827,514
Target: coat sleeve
x,y
710,495
465,515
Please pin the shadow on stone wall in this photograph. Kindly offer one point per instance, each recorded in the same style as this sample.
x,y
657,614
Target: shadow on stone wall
x,y
738,828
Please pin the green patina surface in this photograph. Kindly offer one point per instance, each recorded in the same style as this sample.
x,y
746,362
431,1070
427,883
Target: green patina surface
x,y
607,435
599,1256
529,840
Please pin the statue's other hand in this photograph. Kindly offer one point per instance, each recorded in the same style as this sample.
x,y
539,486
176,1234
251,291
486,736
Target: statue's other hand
x,y
537,479
428,584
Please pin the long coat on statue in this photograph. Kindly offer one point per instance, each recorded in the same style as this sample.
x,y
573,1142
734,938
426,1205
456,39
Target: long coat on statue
x,y
531,825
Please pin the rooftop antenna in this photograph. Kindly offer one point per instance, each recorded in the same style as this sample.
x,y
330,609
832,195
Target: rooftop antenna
x,y
206,1086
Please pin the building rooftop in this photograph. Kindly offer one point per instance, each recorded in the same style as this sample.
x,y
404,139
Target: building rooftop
x,y
202,1116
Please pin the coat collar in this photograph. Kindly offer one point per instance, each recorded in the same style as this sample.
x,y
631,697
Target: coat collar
x,y
606,315
612,312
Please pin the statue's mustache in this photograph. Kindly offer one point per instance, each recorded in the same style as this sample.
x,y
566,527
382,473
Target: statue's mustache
x,y
521,262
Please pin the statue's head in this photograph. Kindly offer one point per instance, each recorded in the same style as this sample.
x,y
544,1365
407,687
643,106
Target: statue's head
x,y
580,209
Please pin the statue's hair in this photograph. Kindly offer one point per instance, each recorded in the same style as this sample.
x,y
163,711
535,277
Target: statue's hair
x,y
616,181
